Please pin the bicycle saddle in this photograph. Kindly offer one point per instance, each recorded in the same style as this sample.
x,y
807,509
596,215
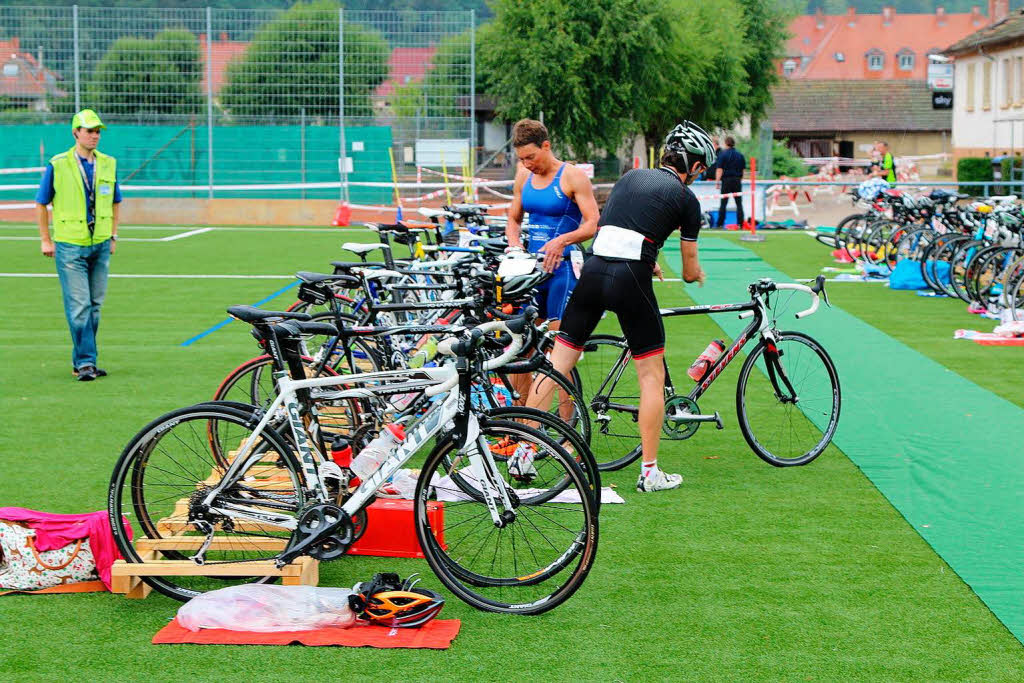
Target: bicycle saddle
x,y
251,314
316,278
362,247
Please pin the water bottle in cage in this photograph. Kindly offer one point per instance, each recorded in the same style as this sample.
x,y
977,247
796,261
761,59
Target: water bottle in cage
x,y
704,361
378,450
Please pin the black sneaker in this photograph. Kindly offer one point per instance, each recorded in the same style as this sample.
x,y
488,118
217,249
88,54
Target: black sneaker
x,y
87,374
99,372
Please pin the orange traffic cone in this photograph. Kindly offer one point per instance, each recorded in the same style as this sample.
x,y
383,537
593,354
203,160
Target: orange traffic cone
x,y
342,215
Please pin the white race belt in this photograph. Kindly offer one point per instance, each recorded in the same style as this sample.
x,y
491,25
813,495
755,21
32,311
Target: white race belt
x,y
615,242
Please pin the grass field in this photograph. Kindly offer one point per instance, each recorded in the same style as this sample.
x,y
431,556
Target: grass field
x,y
745,573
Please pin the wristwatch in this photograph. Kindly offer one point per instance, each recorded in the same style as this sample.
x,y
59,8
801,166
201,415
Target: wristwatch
x,y
113,237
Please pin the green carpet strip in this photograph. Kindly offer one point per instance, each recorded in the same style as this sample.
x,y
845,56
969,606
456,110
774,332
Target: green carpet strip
x,y
945,452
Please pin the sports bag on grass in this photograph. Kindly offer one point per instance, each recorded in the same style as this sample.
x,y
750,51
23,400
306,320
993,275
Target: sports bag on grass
x,y
23,568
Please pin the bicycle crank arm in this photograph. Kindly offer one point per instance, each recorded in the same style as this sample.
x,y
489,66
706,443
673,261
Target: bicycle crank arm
x,y
716,418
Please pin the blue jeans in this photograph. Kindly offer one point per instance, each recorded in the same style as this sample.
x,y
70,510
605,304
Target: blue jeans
x,y
83,280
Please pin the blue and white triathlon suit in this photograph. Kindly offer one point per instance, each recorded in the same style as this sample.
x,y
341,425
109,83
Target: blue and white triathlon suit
x,y
552,213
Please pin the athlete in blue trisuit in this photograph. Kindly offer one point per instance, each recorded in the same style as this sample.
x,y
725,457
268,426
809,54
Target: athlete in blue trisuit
x,y
562,213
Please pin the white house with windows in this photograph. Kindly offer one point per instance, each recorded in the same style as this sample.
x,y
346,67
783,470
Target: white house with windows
x,y
988,89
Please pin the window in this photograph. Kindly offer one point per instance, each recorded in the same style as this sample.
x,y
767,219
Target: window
x,y
969,100
788,67
986,85
1018,95
1007,84
875,62
10,69
907,61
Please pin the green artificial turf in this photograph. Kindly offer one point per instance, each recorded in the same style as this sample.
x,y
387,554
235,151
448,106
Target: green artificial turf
x,y
745,573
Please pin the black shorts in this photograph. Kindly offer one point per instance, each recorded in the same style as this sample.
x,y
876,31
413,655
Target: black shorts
x,y
623,287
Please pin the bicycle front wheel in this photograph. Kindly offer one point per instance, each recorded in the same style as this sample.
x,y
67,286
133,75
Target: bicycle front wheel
x,y
789,410
543,546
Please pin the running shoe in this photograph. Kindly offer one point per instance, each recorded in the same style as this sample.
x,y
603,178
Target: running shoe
x,y
520,463
658,481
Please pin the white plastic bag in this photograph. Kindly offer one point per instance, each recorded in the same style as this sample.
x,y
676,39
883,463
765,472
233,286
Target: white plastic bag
x,y
265,608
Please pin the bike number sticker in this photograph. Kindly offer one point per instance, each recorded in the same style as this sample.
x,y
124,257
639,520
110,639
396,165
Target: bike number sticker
x,y
576,259
615,242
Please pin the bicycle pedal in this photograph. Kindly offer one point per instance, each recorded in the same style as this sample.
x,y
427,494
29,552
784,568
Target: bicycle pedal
x,y
718,421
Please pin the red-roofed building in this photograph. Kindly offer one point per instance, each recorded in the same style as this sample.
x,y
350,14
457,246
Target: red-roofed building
x,y
23,80
887,46
884,58
222,53
405,65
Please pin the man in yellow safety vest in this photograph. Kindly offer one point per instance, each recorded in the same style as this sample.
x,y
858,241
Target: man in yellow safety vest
x,y
81,183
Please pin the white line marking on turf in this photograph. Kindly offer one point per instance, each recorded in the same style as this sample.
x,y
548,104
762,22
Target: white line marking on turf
x,y
168,277
11,238
190,233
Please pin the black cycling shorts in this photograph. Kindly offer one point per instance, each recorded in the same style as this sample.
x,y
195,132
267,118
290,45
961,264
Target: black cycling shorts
x,y
623,287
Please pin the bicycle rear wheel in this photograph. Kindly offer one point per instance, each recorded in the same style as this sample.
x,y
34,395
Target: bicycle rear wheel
x,y
611,392
544,546
789,410
158,485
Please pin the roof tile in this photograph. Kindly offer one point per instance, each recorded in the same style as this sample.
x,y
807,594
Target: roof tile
x,y
840,106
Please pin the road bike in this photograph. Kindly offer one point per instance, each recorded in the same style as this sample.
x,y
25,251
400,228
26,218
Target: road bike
x,y
788,412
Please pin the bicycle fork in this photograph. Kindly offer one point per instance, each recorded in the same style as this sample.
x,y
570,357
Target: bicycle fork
x,y
488,476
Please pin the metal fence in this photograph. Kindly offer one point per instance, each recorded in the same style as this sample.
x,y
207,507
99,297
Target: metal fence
x,y
210,97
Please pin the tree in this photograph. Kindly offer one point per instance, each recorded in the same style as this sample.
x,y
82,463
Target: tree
x,y
765,28
154,77
699,74
292,63
585,65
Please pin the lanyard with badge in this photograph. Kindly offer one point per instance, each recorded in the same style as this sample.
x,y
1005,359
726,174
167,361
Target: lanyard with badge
x,y
90,192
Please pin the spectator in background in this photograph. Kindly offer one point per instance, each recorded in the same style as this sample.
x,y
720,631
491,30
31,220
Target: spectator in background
x,y
887,165
709,172
729,168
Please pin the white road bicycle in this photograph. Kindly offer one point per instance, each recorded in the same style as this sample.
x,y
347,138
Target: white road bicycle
x,y
219,483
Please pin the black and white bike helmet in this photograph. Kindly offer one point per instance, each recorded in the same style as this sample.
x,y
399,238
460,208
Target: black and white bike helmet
x,y
693,142
520,287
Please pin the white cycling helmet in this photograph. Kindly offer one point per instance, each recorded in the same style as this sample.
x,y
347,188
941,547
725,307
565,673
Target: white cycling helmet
x,y
693,142
522,286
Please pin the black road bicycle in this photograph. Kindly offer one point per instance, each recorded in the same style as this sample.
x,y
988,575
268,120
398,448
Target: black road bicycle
x,y
787,412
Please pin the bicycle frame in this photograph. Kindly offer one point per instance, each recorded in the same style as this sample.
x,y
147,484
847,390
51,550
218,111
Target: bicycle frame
x,y
756,307
452,411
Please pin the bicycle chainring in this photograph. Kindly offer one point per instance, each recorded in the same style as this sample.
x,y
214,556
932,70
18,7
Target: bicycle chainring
x,y
334,545
675,406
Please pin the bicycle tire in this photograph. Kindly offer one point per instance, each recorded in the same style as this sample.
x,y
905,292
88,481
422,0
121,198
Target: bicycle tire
x,y
815,403
168,532
567,401
507,586
566,437
615,434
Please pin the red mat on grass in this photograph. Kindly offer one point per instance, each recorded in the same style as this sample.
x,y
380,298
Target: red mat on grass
x,y
436,635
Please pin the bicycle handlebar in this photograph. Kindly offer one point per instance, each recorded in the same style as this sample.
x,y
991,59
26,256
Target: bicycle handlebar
x,y
818,288
453,346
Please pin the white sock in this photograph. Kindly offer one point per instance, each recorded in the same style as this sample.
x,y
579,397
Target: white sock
x,y
648,468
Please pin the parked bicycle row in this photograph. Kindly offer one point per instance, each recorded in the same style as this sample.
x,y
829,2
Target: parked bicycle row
x,y
406,376
956,245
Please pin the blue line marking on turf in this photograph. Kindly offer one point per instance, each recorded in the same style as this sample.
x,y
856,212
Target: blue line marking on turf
x,y
225,321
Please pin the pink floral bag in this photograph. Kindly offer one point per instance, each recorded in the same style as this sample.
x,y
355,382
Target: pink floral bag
x,y
23,568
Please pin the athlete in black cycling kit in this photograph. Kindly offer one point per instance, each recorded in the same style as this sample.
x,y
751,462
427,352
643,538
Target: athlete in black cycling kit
x,y
645,207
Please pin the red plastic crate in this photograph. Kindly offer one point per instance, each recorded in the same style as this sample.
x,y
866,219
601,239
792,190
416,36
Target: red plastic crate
x,y
391,529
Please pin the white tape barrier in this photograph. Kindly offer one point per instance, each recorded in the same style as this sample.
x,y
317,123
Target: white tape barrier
x,y
19,207
15,171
